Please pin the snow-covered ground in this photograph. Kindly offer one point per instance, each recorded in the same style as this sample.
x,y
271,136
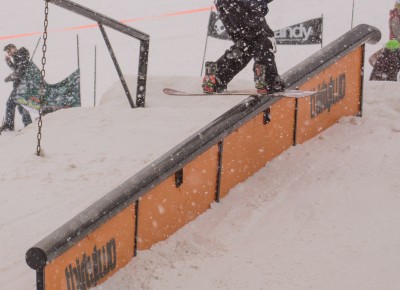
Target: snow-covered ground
x,y
323,215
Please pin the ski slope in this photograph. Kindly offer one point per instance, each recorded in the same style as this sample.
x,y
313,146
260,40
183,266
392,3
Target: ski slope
x,y
323,215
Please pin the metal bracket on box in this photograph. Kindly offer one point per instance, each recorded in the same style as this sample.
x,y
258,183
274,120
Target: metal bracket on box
x,y
178,178
267,116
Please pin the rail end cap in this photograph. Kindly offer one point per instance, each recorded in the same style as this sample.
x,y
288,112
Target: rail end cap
x,y
36,258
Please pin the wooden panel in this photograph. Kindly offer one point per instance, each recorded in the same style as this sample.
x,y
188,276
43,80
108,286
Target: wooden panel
x,y
96,257
165,209
342,96
254,144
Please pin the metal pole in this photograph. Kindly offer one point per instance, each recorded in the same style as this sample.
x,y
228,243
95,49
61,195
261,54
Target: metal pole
x,y
205,46
77,48
136,238
95,75
117,67
98,17
322,30
142,75
40,279
219,171
34,51
352,16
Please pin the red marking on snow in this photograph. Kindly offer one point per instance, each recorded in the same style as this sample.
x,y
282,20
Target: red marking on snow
x,y
89,26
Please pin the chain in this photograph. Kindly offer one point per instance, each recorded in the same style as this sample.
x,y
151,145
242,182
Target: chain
x,y
43,74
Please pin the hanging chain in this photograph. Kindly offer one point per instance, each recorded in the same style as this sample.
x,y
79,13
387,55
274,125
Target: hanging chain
x,y
43,74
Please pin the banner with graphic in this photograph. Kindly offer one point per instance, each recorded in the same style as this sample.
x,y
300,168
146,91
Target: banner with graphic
x,y
65,94
308,32
216,28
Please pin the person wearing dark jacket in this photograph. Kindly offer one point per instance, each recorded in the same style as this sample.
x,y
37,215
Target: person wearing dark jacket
x,y
244,21
17,60
386,62
394,21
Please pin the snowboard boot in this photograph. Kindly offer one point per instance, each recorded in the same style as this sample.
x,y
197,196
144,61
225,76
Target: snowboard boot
x,y
263,85
211,83
5,128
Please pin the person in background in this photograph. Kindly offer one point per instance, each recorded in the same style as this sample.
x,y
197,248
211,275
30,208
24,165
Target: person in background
x,y
394,22
386,62
17,60
244,21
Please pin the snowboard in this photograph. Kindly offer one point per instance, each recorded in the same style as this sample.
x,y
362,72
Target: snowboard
x,y
284,94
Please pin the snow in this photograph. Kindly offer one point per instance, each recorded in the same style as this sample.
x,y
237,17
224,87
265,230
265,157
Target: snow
x,y
323,215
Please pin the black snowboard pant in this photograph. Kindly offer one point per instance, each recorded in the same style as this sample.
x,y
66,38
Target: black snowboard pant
x,y
238,56
250,42
10,112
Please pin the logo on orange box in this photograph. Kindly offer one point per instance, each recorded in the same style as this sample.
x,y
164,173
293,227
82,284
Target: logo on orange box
x,y
88,270
328,95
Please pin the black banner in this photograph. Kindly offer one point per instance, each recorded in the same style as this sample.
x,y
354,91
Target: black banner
x,y
215,27
308,32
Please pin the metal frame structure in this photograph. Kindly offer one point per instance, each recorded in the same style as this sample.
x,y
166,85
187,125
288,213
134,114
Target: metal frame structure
x,y
144,39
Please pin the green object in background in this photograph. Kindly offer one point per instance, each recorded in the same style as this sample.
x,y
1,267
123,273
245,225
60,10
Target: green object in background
x,y
392,44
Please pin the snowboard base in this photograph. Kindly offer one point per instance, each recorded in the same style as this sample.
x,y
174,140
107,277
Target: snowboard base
x,y
285,93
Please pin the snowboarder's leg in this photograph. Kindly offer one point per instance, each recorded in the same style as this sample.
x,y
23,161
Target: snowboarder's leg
x,y
266,77
233,61
10,113
221,72
233,17
26,117
265,82
210,82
